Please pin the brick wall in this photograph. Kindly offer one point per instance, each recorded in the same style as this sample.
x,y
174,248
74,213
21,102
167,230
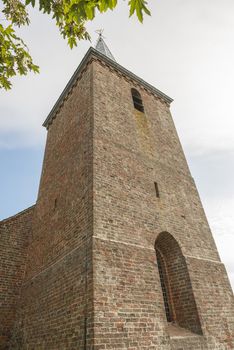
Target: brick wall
x,y
14,236
214,298
132,151
91,280
55,310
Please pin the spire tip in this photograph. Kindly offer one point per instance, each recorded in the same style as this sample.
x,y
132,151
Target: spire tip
x,y
101,45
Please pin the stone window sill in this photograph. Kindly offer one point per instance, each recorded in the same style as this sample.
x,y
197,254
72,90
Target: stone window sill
x,y
175,331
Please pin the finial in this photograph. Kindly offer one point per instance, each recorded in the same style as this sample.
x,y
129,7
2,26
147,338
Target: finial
x,y
99,32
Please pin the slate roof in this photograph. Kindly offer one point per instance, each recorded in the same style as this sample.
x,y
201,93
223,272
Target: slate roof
x,y
103,48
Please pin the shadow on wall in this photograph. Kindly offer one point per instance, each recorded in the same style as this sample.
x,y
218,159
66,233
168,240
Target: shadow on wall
x,y
179,302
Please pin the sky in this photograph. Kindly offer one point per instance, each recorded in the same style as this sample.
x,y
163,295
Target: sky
x,y
185,49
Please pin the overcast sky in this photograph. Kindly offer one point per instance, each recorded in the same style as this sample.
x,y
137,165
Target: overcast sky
x,y
185,49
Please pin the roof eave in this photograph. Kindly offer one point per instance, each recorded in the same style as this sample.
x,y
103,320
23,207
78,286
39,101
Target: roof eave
x,y
123,70
67,87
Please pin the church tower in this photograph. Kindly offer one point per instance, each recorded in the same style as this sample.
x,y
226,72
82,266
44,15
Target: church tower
x,y
119,253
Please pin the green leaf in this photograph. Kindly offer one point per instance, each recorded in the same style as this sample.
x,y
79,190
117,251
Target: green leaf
x,y
139,11
138,6
9,30
132,4
70,17
14,57
146,10
89,10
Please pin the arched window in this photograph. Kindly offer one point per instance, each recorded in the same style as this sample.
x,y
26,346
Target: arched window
x,y
137,100
179,303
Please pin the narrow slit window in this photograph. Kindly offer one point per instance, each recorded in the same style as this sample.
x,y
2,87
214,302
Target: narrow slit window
x,y
156,189
137,100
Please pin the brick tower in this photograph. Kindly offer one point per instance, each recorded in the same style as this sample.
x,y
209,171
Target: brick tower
x,y
117,252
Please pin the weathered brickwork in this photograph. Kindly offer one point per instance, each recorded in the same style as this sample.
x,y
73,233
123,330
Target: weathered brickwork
x,y
91,280
132,151
56,296
14,237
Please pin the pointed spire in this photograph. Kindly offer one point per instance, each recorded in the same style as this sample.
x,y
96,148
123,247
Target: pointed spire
x,y
102,47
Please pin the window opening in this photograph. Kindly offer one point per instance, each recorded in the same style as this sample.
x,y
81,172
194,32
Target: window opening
x,y
137,100
161,270
156,189
179,301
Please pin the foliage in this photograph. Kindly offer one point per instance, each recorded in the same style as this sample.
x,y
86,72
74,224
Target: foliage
x,y
70,17
14,57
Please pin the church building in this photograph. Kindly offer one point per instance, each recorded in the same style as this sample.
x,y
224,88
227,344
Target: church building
x,y
117,253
